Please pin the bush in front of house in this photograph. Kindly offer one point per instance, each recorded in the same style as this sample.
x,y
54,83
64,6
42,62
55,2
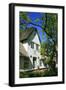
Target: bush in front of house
x,y
23,75
51,72
34,74
27,74
44,73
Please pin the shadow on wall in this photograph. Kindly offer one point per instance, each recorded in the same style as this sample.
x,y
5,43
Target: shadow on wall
x,y
25,63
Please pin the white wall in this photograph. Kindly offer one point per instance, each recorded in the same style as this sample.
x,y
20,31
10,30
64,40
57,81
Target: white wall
x,y
26,46
36,39
32,51
4,45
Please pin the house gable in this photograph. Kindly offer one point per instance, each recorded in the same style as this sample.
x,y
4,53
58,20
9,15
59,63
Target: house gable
x,y
36,39
33,36
29,34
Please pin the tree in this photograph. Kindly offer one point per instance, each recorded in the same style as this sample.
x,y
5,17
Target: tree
x,y
49,48
48,23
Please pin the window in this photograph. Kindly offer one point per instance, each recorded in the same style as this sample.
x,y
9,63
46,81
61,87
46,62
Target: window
x,y
40,62
30,56
32,45
34,62
26,63
38,57
37,47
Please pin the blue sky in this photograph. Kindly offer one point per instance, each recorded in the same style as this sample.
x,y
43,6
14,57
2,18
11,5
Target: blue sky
x,y
33,16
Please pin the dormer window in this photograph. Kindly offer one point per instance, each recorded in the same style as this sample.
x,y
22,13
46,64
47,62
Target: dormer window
x,y
32,45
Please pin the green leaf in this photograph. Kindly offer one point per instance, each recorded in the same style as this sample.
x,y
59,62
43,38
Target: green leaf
x,y
37,20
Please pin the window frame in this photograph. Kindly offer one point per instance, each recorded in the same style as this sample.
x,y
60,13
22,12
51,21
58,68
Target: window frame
x,y
32,45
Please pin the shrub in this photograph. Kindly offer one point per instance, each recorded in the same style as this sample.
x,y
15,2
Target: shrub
x,y
51,72
44,73
23,75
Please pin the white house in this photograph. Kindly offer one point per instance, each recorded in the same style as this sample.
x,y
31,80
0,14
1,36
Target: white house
x,y
29,49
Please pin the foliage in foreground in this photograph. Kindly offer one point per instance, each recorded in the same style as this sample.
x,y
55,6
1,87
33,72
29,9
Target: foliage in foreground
x,y
44,73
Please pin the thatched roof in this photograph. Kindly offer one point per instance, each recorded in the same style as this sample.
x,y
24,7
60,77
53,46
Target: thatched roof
x,y
25,34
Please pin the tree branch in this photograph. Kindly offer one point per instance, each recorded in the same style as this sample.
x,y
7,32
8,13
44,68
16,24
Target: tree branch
x,y
42,28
